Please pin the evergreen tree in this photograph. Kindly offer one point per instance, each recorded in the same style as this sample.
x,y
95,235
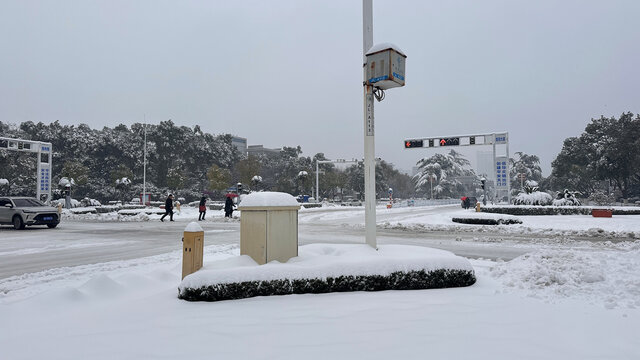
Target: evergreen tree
x,y
608,149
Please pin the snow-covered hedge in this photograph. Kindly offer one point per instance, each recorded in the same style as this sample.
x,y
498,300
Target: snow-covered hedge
x,y
486,220
90,202
311,205
400,280
554,210
534,198
74,203
565,202
108,208
323,268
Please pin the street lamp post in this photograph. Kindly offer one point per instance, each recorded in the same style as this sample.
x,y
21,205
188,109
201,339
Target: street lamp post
x,y
431,184
144,165
484,191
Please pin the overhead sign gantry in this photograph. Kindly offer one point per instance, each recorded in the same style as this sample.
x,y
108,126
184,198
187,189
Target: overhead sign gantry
x,y
43,175
500,163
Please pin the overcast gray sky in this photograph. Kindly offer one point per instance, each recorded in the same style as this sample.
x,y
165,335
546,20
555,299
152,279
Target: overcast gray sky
x,y
287,73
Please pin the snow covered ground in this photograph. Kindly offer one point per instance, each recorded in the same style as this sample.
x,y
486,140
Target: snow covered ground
x,y
130,310
558,301
439,219
414,219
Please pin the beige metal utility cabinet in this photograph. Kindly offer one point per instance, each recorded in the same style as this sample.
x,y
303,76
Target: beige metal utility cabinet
x,y
192,246
269,226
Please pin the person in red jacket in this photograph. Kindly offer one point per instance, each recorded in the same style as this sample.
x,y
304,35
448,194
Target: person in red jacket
x,y
202,208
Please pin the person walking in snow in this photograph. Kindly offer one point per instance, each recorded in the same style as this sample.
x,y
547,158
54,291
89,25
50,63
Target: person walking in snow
x,y
168,208
228,207
202,208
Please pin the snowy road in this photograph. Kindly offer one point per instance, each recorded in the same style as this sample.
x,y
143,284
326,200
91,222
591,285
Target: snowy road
x,y
78,242
107,290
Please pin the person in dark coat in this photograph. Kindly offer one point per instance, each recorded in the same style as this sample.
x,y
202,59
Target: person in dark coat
x,y
202,208
168,208
228,207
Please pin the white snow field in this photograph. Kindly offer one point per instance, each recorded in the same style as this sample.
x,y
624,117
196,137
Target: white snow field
x,y
438,218
561,299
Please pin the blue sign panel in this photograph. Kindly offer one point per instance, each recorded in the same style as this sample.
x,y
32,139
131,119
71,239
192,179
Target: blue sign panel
x,y
501,173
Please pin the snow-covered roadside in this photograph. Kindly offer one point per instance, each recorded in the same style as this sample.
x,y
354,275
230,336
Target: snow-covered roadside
x,y
165,267
604,278
619,226
185,214
129,309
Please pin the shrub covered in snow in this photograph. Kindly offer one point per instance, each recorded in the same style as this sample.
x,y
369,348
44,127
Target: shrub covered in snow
x,y
553,210
66,183
601,198
323,268
123,181
486,220
400,280
567,198
534,198
89,202
74,203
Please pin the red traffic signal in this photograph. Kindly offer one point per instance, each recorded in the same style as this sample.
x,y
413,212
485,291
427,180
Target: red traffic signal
x,y
450,141
408,144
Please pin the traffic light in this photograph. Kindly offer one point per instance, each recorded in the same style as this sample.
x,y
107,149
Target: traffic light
x,y
430,142
450,141
472,140
409,144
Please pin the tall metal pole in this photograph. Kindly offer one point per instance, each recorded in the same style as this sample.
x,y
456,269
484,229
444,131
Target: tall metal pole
x,y
495,170
50,172
508,172
317,182
144,165
39,172
369,131
431,185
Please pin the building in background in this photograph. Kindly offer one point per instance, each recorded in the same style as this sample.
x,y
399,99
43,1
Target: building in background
x,y
241,144
259,149
484,164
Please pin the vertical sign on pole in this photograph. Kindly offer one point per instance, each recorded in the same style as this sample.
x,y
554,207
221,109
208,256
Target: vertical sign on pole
x,y
503,181
501,165
369,131
44,173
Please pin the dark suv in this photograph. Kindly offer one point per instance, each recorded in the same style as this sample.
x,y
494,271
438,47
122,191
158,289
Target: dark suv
x,y
21,211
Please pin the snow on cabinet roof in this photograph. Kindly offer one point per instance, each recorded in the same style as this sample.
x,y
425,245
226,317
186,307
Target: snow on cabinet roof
x,y
268,198
193,227
384,46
